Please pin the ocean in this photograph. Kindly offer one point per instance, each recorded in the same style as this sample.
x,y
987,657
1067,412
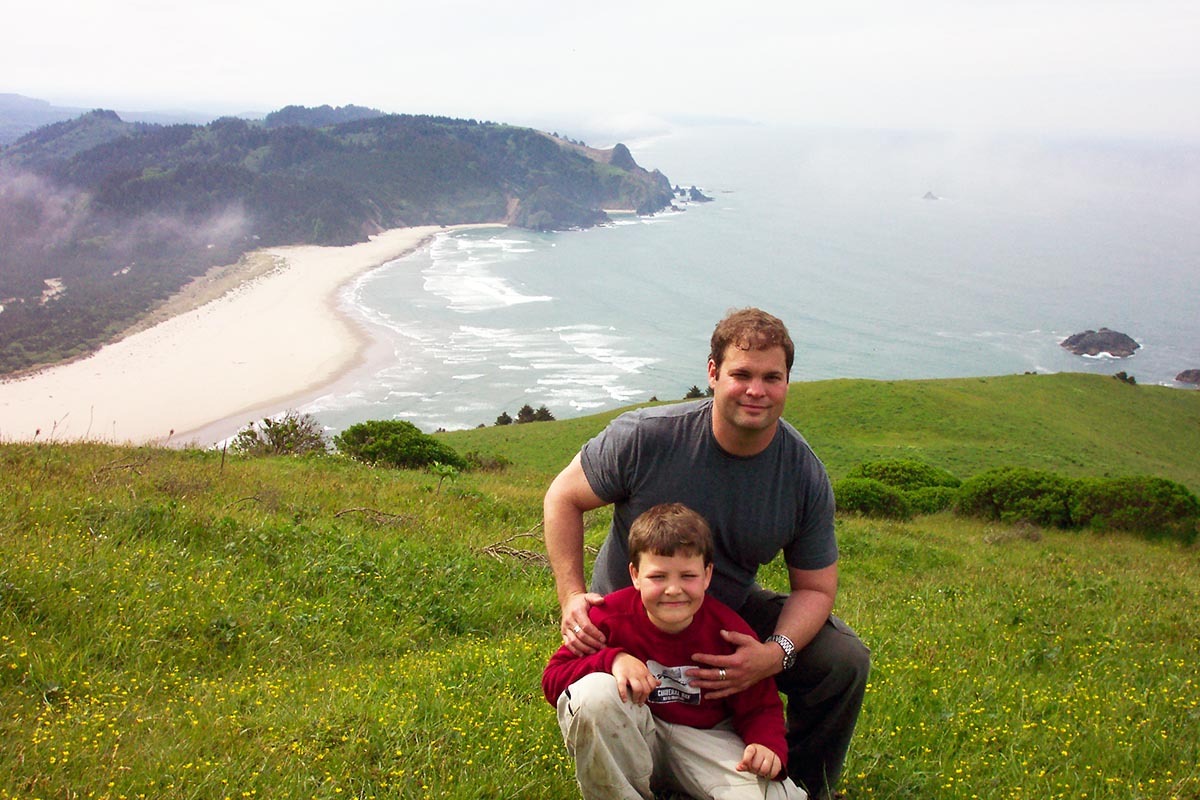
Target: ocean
x,y
837,233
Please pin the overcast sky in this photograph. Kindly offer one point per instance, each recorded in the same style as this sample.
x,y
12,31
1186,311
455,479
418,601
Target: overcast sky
x,y
1094,66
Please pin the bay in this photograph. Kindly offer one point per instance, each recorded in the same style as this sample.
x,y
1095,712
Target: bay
x,y
835,232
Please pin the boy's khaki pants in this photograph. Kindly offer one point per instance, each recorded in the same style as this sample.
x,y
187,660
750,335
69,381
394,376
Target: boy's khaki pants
x,y
622,751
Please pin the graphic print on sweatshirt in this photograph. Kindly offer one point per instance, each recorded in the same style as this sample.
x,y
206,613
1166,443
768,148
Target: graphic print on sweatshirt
x,y
674,686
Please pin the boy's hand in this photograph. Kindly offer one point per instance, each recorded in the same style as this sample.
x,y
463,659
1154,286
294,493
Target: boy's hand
x,y
761,760
634,681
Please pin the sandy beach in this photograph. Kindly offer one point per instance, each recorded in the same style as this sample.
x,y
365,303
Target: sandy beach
x,y
275,337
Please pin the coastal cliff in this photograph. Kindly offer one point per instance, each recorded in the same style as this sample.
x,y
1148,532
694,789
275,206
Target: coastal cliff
x,y
120,215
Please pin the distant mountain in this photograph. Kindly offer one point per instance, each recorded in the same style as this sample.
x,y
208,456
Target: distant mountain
x,y
20,115
117,215
65,139
320,117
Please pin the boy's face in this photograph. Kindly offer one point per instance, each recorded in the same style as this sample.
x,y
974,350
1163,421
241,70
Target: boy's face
x,y
672,588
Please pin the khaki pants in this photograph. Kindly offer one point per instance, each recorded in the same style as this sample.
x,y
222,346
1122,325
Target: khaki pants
x,y
622,751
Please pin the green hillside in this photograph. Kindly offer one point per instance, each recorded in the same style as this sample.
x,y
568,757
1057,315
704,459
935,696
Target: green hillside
x,y
1070,423
183,623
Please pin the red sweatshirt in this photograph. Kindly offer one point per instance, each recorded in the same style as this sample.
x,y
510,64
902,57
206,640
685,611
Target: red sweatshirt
x,y
756,713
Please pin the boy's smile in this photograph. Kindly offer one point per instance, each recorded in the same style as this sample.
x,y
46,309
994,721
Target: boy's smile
x,y
672,588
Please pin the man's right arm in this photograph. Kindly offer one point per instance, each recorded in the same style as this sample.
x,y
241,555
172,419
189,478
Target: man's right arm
x,y
568,497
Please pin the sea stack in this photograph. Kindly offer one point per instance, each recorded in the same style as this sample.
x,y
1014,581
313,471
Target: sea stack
x,y
1094,343
1189,376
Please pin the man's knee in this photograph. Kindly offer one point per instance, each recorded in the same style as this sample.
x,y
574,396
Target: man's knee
x,y
835,662
847,652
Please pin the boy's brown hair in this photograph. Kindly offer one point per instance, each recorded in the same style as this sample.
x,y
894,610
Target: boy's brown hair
x,y
751,329
670,529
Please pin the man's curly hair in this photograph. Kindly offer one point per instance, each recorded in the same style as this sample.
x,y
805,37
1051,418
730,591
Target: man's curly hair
x,y
751,329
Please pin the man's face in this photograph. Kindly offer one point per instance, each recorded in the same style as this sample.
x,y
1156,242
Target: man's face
x,y
672,588
749,390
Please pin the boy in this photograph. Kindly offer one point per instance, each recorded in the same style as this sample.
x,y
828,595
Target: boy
x,y
629,714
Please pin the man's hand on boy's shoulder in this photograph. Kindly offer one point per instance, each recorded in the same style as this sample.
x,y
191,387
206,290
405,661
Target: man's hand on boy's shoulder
x,y
579,634
760,760
634,680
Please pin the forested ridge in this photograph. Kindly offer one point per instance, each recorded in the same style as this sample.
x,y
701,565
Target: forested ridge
x,y
119,215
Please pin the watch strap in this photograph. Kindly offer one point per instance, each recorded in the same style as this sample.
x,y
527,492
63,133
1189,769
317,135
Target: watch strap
x,y
789,649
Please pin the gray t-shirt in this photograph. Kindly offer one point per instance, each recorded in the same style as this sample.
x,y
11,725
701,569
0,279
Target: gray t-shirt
x,y
779,499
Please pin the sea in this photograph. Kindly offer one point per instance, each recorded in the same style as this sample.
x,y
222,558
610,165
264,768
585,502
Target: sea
x,y
889,255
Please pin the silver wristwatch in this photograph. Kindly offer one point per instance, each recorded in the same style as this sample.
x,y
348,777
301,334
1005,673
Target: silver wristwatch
x,y
789,649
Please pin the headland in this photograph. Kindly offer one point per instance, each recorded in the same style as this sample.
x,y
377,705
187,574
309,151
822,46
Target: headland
x,y
199,375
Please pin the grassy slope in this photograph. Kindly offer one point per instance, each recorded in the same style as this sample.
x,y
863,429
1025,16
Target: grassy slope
x,y
1071,423
171,625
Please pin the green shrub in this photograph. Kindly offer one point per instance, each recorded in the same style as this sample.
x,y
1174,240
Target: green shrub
x,y
906,474
871,498
931,499
292,434
486,462
1014,494
395,443
1146,505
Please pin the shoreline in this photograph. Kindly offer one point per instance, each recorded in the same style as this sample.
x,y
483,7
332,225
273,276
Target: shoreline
x,y
199,376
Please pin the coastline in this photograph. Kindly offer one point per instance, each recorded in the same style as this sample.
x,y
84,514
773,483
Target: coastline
x,y
201,375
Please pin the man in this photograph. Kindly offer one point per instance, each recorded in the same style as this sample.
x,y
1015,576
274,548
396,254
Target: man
x,y
762,491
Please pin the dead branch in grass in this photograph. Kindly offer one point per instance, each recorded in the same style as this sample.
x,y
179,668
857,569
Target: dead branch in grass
x,y
377,516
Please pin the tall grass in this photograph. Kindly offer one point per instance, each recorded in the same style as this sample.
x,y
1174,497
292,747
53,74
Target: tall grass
x,y
176,626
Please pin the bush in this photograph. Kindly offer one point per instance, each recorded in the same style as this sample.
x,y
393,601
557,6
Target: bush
x,y
905,474
1146,505
395,443
871,498
931,499
1013,494
292,434
485,462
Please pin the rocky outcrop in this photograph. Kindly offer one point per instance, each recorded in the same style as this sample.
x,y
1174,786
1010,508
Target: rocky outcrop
x,y
1093,343
622,158
692,195
548,210
1189,376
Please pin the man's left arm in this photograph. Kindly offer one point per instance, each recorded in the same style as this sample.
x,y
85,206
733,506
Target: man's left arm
x,y
804,612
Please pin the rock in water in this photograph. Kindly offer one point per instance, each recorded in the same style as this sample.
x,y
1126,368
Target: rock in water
x,y
1093,343
1189,376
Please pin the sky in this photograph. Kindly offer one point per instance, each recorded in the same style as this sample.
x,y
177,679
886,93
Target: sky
x,y
1110,67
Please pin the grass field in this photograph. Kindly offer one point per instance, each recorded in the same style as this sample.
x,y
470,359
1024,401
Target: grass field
x,y
176,624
